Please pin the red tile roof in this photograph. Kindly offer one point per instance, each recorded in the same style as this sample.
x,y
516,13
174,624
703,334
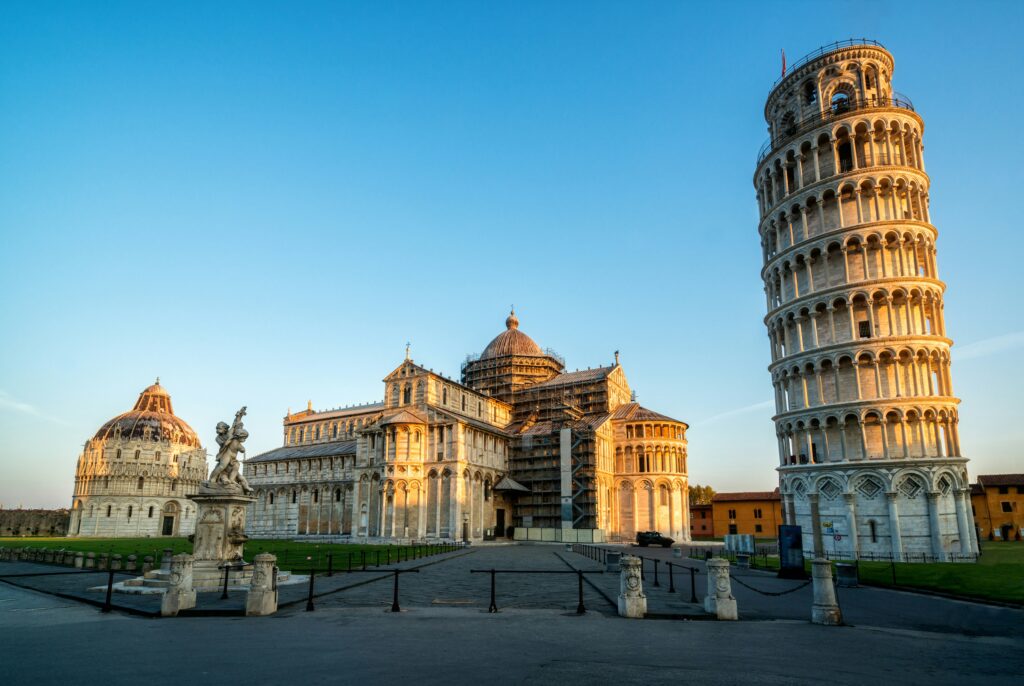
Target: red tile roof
x,y
745,495
1001,479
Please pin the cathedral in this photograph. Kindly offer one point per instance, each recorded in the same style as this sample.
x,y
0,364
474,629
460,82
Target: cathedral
x,y
133,477
519,448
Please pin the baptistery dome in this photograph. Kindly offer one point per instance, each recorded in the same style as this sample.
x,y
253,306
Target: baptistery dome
x,y
152,418
511,341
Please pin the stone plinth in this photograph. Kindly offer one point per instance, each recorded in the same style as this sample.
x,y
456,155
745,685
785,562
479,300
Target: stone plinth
x,y
219,538
180,594
632,601
262,597
825,609
719,600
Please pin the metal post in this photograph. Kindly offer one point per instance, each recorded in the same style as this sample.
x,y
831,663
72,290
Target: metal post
x,y
330,564
362,553
656,561
350,561
671,580
394,599
309,600
693,584
494,605
389,554
110,589
224,595
580,610
378,557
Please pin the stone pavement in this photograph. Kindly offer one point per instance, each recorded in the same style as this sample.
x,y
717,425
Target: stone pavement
x,y
46,640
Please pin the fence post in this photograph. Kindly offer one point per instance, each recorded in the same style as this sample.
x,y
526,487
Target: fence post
x,y
580,610
656,561
494,605
394,599
693,584
110,589
309,599
330,564
671,579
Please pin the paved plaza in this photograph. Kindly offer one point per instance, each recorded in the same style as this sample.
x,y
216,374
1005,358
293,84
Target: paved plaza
x,y
445,634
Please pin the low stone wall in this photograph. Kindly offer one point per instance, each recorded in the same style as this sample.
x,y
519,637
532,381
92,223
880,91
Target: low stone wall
x,y
34,522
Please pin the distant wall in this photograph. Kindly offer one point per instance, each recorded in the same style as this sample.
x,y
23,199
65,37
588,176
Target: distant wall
x,y
33,522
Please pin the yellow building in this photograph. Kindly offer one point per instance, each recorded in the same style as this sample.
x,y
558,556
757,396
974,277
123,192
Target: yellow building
x,y
998,504
748,512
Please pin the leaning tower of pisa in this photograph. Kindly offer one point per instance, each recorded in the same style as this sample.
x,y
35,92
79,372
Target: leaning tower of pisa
x,y
869,454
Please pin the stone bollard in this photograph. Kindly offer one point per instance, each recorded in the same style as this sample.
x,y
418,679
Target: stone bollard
x,y
115,562
825,609
58,557
104,562
79,560
48,555
179,595
147,564
90,560
719,600
165,560
632,601
262,597
3,554
130,563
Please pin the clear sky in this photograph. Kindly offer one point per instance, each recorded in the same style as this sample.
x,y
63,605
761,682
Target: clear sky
x,y
262,202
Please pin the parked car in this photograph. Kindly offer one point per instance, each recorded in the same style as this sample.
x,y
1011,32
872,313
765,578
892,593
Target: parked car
x,y
646,538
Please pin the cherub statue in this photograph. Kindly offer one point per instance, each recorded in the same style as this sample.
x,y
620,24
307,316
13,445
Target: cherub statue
x,y
228,472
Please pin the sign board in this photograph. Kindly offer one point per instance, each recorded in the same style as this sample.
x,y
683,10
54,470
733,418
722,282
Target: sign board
x,y
791,552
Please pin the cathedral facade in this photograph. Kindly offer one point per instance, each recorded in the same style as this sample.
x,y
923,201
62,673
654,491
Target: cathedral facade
x,y
518,448
133,477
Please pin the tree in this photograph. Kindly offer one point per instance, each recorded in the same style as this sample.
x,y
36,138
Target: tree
x,y
701,495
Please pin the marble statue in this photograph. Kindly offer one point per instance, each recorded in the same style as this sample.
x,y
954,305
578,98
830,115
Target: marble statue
x,y
227,474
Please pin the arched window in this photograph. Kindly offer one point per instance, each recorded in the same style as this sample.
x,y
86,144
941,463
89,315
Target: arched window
x,y
118,455
463,402
157,455
139,486
840,102
874,530
316,496
137,453
295,497
130,510
316,436
337,495
108,510
810,93
444,396
407,395
271,498
150,511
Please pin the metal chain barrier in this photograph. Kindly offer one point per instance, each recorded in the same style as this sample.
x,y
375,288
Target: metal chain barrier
x,y
772,593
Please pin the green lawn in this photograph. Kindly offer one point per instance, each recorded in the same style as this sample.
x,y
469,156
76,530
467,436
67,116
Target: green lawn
x,y
291,555
998,574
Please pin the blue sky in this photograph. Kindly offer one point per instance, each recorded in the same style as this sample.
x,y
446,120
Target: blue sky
x,y
262,202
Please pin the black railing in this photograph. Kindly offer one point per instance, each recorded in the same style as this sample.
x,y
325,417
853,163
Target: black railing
x,y
493,607
837,110
824,50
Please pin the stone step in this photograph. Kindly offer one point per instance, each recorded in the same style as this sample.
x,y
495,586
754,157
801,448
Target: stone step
x,y
156,583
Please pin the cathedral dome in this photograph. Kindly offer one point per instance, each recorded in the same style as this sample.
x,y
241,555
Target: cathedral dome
x,y
152,418
511,341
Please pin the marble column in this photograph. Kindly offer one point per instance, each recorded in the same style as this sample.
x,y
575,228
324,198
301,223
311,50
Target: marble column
x,y
894,526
